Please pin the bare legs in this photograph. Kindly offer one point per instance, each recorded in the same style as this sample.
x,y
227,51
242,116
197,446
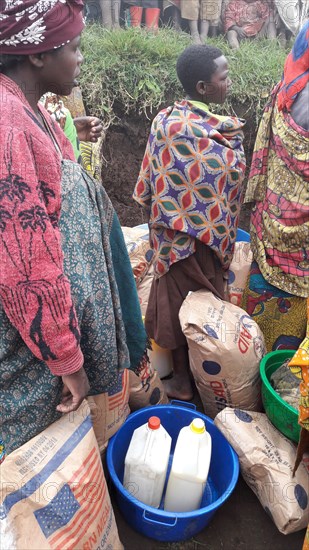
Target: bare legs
x,y
176,19
195,35
232,38
110,10
199,36
267,31
204,30
271,32
116,13
180,387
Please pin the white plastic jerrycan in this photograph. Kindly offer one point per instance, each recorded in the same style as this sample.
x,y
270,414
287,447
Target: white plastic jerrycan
x,y
146,462
161,359
189,471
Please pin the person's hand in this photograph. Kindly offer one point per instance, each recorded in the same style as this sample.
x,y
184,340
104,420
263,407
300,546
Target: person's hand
x,y
75,389
240,31
89,128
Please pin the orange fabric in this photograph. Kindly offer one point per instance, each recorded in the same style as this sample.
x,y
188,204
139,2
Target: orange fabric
x,y
152,18
306,541
136,13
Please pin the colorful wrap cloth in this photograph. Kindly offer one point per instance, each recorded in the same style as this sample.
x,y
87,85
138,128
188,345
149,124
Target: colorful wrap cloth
x,y
86,153
191,183
36,26
278,184
90,153
280,316
296,70
250,16
54,105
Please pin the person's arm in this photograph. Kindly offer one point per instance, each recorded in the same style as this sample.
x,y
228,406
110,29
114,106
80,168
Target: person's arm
x,y
300,108
89,128
35,292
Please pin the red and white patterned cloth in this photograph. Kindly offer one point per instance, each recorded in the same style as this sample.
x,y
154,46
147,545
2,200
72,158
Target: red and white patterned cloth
x,y
28,26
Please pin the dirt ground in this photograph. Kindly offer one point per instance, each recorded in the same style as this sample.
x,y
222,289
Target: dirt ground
x,y
241,523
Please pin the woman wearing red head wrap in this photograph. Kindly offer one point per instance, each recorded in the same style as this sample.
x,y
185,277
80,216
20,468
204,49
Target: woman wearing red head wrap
x,y
62,328
29,26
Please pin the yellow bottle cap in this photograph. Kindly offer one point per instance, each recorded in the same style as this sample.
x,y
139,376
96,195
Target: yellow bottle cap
x,y
198,426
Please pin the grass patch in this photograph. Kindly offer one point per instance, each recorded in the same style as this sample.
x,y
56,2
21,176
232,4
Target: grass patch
x,y
133,71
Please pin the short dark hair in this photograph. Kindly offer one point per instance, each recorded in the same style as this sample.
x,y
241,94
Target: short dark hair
x,y
196,63
10,61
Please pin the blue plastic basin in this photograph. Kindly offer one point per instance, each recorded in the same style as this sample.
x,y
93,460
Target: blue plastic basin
x,y
223,474
241,235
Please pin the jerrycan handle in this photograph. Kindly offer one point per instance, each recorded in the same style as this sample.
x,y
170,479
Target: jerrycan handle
x,y
186,404
152,517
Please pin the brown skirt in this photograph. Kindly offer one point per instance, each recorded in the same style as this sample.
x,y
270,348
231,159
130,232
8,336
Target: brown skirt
x,y
202,270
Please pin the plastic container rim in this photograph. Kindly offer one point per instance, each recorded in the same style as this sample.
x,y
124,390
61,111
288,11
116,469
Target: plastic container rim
x,y
159,511
287,353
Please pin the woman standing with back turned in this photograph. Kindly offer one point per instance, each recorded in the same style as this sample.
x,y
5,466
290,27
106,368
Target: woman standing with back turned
x,y
190,185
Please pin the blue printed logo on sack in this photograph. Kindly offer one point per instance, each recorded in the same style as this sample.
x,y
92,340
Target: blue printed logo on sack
x,y
232,277
217,385
211,367
149,254
243,416
210,332
301,496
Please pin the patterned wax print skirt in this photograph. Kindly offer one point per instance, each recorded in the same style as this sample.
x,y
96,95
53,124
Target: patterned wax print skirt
x,y
282,317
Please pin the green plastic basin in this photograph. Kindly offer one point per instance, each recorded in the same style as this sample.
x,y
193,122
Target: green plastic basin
x,y
280,413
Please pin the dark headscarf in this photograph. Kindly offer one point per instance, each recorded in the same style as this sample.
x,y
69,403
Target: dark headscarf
x,y
296,70
28,26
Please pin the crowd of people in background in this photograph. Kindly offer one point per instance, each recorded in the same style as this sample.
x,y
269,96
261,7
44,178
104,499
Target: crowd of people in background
x,y
237,19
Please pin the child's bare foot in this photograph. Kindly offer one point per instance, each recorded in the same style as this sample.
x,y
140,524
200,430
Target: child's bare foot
x,y
178,388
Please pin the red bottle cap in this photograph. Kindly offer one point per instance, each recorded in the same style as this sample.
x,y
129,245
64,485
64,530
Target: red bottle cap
x,y
154,423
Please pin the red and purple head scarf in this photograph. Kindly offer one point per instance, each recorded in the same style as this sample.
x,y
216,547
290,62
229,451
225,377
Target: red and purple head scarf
x,y
296,70
28,26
